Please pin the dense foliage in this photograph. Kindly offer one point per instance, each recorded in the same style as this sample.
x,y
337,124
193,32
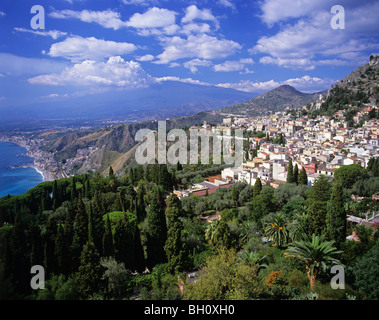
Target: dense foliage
x,y
108,238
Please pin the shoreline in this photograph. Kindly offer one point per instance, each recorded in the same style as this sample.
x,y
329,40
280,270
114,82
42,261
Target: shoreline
x,y
46,175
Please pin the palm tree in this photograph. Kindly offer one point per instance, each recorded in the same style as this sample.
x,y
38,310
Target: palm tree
x,y
298,227
277,230
253,258
316,254
210,231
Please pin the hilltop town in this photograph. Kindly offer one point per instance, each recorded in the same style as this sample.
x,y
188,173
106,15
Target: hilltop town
x,y
319,145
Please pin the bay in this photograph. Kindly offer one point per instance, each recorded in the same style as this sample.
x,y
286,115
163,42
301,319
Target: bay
x,y
14,178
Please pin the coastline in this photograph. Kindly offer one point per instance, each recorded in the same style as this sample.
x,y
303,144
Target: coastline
x,y
46,175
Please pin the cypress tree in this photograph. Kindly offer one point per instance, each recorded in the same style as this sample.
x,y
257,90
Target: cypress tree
x,y
73,189
156,233
49,247
140,203
36,254
318,196
61,252
290,177
98,227
90,270
80,232
257,187
174,246
108,248
87,187
336,216
139,256
123,243
303,177
296,174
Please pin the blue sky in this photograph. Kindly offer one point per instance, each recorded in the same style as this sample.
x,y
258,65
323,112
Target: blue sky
x,y
91,46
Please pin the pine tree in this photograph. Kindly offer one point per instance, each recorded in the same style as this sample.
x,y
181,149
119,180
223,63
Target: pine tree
x,y
290,177
303,177
336,216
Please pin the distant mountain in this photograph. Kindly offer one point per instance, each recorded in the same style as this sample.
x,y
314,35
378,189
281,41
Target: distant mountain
x,y
272,101
158,101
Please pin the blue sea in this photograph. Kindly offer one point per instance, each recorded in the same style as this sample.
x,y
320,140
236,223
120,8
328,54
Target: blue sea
x,y
15,179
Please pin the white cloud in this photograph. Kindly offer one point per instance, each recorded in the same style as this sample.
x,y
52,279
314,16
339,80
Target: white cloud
x,y
115,72
310,83
2,14
107,18
193,64
193,13
55,34
228,4
250,86
305,84
76,48
195,28
235,65
152,18
202,47
146,57
185,80
138,2
310,41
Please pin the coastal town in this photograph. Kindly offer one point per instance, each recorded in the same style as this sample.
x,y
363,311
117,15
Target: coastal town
x,y
43,161
319,145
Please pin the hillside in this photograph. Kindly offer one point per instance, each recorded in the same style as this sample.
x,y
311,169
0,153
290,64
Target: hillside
x,y
115,144
354,92
364,79
275,100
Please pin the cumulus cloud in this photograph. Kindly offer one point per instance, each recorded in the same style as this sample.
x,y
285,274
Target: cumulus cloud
x,y
194,13
107,19
55,34
115,72
76,48
201,47
309,40
152,18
